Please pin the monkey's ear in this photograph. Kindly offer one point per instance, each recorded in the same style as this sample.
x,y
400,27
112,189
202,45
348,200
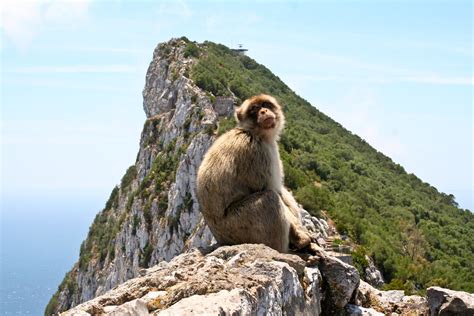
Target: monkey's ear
x,y
238,114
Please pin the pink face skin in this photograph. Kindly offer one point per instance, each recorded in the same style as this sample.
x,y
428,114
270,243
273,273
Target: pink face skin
x,y
266,118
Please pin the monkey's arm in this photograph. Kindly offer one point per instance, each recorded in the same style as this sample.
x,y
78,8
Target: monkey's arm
x,y
228,173
290,201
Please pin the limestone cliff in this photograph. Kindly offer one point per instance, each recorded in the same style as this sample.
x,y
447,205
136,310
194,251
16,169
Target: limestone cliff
x,y
153,214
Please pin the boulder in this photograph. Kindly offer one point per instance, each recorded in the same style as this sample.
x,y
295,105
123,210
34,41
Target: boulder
x,y
448,302
341,279
372,275
391,302
132,308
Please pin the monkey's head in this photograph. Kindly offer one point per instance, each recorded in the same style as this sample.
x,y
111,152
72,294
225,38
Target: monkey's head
x,y
262,116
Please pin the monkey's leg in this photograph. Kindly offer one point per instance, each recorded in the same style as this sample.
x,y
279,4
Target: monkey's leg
x,y
299,236
258,218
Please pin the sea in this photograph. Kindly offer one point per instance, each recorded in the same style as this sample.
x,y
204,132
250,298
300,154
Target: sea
x,y
40,238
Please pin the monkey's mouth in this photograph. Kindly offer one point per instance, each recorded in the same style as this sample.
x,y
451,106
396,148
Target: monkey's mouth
x,y
269,122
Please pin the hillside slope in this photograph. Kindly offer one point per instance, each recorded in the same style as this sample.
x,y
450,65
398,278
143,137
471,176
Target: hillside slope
x,y
417,235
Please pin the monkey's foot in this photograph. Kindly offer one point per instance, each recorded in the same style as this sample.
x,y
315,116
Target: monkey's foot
x,y
312,254
316,250
299,239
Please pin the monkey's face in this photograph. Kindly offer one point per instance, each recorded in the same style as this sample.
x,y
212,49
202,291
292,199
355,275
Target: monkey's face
x,y
262,115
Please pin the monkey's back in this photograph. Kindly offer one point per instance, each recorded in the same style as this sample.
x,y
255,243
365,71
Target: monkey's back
x,y
236,165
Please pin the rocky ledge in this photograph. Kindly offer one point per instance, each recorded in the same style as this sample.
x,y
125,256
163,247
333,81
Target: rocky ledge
x,y
256,280
230,280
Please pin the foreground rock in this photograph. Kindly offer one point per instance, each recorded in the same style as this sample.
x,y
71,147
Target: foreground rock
x,y
389,302
253,279
341,279
243,279
448,302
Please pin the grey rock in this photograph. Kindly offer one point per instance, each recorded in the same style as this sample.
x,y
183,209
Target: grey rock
x,y
448,302
245,279
372,275
313,281
342,280
354,310
78,313
224,106
153,295
318,227
390,302
133,308
235,302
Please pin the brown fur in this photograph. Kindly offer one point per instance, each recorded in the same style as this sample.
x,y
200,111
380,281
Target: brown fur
x,y
239,183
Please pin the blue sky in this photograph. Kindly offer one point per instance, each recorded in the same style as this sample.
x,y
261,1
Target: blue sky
x,y
398,74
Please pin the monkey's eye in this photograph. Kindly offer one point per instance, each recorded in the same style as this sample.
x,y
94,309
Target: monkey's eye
x,y
268,105
255,109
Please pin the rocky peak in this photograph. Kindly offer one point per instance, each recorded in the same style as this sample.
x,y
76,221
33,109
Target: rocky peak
x,y
153,215
165,79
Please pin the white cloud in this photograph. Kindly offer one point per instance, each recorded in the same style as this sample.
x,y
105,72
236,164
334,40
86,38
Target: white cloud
x,y
427,46
124,50
76,69
384,73
221,19
212,22
177,8
382,79
436,79
22,20
36,132
320,66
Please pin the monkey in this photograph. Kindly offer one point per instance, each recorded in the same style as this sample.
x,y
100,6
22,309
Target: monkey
x,y
240,182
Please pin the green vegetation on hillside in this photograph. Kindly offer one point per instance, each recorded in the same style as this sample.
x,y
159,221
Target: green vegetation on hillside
x,y
417,236
69,284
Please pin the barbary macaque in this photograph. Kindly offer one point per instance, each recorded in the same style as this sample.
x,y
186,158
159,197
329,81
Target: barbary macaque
x,y
240,182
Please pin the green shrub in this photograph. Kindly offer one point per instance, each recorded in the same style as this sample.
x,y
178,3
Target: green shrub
x,y
129,176
191,50
69,285
225,125
113,199
135,224
359,260
146,255
314,199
